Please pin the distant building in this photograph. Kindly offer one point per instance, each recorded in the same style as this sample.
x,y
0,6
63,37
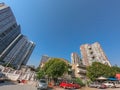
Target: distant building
x,y
75,58
93,53
15,48
43,60
25,73
46,58
79,70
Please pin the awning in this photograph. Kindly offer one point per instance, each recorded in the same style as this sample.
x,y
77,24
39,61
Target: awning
x,y
113,79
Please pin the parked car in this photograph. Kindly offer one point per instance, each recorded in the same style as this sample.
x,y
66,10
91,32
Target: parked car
x,y
42,84
2,78
109,84
69,85
65,84
94,85
102,86
76,86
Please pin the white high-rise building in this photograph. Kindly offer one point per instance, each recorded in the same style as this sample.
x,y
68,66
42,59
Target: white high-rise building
x,y
93,53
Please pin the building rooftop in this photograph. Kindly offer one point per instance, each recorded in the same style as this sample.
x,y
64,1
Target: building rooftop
x,y
2,5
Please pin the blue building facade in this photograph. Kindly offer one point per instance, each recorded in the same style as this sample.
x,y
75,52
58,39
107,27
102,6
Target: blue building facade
x,y
15,48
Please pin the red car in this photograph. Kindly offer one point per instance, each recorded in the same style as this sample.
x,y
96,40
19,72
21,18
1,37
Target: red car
x,y
65,85
68,85
76,86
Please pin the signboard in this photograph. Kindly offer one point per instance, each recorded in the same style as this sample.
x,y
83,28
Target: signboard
x,y
118,76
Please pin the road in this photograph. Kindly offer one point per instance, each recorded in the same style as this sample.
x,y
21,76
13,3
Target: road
x,y
28,87
22,87
14,86
17,87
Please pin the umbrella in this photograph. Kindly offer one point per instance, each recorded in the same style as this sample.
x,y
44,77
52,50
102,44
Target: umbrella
x,y
101,78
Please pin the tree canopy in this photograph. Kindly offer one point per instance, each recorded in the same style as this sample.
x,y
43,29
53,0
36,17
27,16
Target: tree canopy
x,y
116,69
55,67
40,73
98,69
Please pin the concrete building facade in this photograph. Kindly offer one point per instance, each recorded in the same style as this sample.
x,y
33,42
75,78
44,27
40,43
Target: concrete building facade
x,y
15,48
46,58
75,58
43,60
79,70
93,53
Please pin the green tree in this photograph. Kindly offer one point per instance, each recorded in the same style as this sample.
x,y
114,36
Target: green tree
x,y
40,73
55,68
98,69
79,81
116,69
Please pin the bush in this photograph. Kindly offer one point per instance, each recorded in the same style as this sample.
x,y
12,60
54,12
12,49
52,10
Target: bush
x,y
79,81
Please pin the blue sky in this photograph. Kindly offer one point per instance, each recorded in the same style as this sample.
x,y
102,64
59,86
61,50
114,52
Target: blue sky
x,y
59,27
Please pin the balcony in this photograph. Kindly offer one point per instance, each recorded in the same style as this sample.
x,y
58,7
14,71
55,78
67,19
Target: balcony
x,y
81,66
81,71
83,77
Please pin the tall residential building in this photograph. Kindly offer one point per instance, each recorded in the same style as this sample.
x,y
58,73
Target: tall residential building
x,y
15,48
75,58
79,70
93,53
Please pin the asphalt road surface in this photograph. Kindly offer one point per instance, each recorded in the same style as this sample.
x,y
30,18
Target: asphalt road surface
x,y
22,87
25,87
14,86
17,87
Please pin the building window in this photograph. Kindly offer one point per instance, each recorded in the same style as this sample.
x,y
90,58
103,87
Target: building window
x,y
11,28
14,26
89,47
93,57
91,52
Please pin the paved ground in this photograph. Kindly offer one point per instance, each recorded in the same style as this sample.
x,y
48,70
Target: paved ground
x,y
17,87
28,87
58,88
23,87
14,86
